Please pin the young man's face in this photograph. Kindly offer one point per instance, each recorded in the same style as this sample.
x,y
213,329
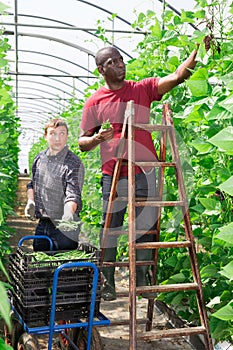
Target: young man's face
x,y
56,138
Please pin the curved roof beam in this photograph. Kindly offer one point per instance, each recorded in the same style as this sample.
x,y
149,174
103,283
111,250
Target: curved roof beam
x,y
66,74
64,42
127,22
59,58
48,85
52,108
74,27
56,98
104,10
38,107
38,98
26,116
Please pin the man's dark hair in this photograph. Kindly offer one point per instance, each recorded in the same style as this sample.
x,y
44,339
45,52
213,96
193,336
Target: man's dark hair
x,y
100,55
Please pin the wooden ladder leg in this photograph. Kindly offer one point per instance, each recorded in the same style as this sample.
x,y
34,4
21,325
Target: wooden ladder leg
x,y
112,196
132,232
189,234
159,195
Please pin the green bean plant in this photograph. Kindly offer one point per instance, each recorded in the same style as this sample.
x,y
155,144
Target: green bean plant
x,y
9,149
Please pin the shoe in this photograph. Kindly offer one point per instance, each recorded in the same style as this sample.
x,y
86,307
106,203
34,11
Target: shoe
x,y
108,292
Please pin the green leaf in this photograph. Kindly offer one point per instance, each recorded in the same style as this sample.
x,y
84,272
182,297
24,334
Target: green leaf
x,y
4,306
227,271
156,30
2,267
3,138
219,328
198,36
4,175
209,203
199,14
225,233
198,83
198,208
218,113
209,271
228,80
225,313
227,186
178,278
224,140
4,346
201,146
207,162
187,16
172,261
227,103
1,216
3,7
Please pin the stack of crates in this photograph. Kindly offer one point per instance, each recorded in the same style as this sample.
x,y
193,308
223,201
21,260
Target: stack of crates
x,y
32,281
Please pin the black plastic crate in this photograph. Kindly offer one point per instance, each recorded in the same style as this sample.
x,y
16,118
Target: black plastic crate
x,y
25,262
74,280
40,316
32,285
37,299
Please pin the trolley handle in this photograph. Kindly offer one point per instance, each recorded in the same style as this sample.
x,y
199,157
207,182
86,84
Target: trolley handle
x,y
35,237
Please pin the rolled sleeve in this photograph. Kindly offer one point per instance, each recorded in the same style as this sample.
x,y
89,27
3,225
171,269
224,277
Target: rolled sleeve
x,y
74,184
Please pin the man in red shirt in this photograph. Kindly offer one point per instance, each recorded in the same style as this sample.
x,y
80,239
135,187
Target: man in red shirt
x,y
109,103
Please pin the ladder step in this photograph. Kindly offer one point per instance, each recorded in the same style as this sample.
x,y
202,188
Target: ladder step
x,y
160,288
152,127
171,333
152,202
125,322
156,245
126,263
155,164
126,232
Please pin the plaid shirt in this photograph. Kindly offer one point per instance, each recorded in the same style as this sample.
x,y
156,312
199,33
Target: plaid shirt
x,y
56,180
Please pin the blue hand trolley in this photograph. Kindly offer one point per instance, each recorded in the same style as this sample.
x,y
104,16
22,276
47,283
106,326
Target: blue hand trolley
x,y
81,335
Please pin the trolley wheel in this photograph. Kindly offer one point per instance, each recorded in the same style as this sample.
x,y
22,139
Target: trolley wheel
x,y
27,342
16,331
80,339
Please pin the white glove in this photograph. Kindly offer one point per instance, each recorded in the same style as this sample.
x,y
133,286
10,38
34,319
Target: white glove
x,y
67,215
30,210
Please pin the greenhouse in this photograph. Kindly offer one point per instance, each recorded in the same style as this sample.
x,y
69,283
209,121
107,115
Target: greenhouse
x,y
116,175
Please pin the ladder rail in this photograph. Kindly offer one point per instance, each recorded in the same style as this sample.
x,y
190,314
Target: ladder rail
x,y
115,178
188,228
159,189
132,229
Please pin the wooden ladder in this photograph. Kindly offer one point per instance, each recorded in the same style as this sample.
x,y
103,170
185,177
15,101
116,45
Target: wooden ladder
x,y
167,134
